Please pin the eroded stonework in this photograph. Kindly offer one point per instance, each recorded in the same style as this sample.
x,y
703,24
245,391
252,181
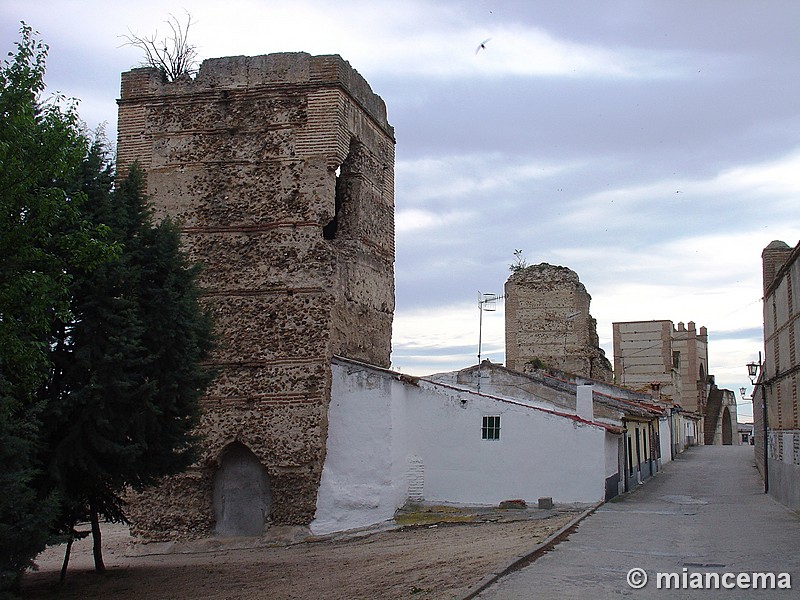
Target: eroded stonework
x,y
548,323
280,170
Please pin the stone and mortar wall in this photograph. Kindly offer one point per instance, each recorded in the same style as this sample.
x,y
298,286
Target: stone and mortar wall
x,y
727,428
280,171
547,318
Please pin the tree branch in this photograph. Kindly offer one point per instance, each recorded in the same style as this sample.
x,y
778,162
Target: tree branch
x,y
174,56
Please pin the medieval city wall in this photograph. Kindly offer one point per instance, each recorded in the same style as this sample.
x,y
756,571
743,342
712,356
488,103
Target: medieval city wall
x,y
279,169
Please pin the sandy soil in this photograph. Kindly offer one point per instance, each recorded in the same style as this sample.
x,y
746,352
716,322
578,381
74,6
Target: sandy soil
x,y
421,561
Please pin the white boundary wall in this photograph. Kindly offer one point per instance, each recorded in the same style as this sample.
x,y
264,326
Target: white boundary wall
x,y
390,439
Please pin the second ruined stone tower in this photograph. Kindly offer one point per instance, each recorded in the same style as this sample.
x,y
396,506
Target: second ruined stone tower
x,y
280,170
548,323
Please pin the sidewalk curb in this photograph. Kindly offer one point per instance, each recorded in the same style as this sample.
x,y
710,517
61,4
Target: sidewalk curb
x,y
528,557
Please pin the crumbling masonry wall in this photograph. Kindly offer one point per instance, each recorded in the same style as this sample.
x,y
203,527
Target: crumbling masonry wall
x,y
548,323
280,170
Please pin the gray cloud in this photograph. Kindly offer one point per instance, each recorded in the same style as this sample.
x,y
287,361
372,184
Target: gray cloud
x,y
650,146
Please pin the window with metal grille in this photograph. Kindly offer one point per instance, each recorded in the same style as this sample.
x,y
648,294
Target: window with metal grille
x,y
490,430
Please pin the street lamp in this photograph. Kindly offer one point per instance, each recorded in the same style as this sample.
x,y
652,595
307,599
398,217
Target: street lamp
x,y
754,370
742,392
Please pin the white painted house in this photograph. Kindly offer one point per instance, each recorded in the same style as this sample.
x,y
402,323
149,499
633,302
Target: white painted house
x,y
394,439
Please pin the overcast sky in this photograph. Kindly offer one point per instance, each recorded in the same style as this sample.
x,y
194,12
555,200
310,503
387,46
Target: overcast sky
x,y
651,146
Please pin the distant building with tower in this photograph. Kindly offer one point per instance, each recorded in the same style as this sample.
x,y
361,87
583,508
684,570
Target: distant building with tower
x,y
657,353
674,360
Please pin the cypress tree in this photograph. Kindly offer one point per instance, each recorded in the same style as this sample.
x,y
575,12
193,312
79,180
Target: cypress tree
x,y
123,396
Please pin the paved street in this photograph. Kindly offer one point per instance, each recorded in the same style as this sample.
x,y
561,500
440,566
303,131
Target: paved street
x,y
704,513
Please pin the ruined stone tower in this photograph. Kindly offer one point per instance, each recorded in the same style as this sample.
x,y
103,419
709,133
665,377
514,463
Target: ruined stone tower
x,y
280,170
548,323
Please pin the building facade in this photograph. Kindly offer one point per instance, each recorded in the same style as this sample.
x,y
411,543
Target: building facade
x,y
778,381
691,345
280,170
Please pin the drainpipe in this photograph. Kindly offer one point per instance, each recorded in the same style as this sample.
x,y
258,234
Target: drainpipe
x,y
672,433
626,485
766,439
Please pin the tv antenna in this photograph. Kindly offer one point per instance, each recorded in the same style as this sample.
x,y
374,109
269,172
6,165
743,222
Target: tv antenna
x,y
488,303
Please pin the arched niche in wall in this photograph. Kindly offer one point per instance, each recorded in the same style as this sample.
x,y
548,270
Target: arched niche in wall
x,y
727,427
242,493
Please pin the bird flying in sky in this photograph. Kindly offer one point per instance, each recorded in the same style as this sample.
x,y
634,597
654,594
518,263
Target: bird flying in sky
x,y
482,45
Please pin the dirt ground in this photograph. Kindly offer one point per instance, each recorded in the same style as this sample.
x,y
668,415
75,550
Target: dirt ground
x,y
439,553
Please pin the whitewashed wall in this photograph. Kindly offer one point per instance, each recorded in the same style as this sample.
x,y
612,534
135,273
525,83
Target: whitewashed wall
x,y
364,477
615,464
612,454
384,434
538,454
665,440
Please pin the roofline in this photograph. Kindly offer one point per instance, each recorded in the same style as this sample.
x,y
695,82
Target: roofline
x,y
793,255
640,405
415,381
642,321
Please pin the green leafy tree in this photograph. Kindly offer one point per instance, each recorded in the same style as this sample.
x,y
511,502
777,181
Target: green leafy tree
x,y
123,396
42,235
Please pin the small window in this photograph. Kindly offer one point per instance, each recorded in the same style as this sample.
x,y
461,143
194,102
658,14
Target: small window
x,y
490,430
